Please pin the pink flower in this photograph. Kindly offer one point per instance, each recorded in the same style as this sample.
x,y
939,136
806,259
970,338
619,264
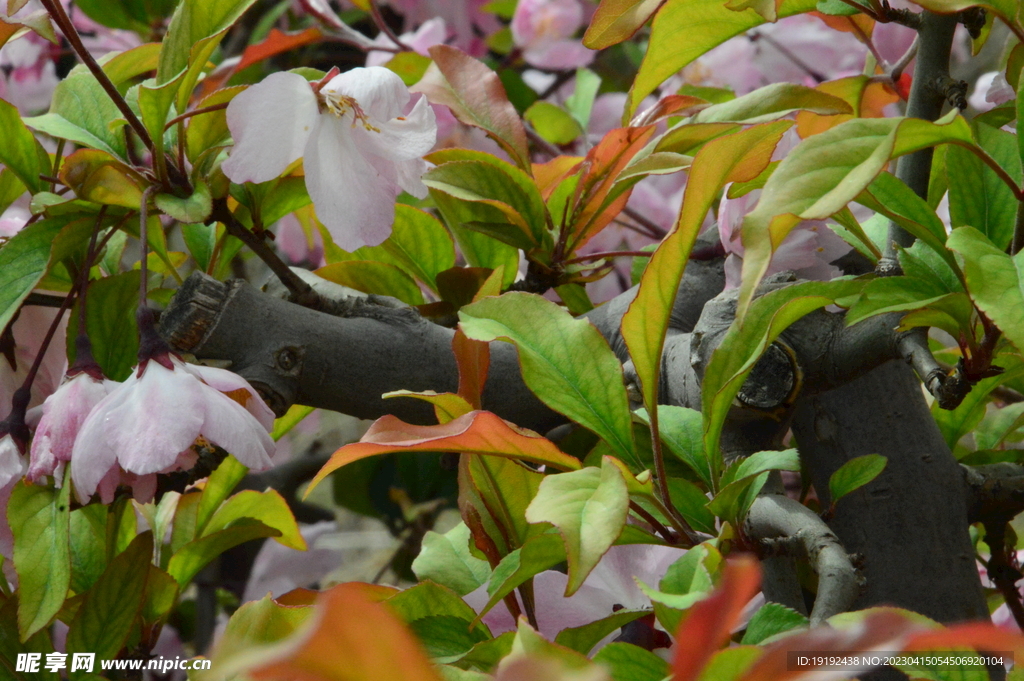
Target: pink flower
x,y
12,464
64,412
465,19
432,32
148,424
28,75
612,583
809,249
543,30
359,150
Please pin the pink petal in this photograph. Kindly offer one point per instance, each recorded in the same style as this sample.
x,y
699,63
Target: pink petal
x,y
228,425
229,382
559,54
64,412
270,123
12,465
353,196
402,139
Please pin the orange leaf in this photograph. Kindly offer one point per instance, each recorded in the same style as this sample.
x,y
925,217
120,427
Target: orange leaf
x,y
867,99
478,432
709,623
601,169
476,97
618,20
549,175
978,635
276,43
354,638
474,359
860,25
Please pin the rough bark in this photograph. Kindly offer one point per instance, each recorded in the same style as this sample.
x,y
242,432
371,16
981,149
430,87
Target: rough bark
x,y
910,524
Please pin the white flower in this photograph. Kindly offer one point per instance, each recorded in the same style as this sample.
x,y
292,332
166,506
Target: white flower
x,y
12,465
358,150
146,424
64,412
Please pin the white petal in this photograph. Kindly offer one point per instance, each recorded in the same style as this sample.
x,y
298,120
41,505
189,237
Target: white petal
x,y
229,382
270,123
410,174
230,426
155,420
354,196
11,464
403,138
378,91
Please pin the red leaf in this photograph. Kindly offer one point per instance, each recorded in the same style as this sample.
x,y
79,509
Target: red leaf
x,y
276,43
709,623
671,105
474,359
478,432
476,97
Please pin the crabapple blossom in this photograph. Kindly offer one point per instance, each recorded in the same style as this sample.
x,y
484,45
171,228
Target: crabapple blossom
x,y
27,334
63,414
466,20
148,424
991,90
359,151
543,30
611,583
430,33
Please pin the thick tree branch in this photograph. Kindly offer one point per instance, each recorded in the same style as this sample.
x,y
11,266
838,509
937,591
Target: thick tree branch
x,y
782,526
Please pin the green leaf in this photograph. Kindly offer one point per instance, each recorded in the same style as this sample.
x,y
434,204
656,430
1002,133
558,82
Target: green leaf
x,y
507,189
200,240
682,430
11,188
836,8
977,196
218,486
20,151
743,480
110,321
998,426
23,262
11,646
256,624
268,507
628,662
995,281
583,638
374,277
107,615
893,294
743,344
823,174
194,555
772,619
155,103
565,361
83,112
686,581
691,501
709,24
194,208
209,129
446,559
735,157
539,553
428,599
40,520
88,532
487,654
419,245
854,474
581,102
755,464
129,15
446,638
771,102
730,663
552,122
589,508
293,417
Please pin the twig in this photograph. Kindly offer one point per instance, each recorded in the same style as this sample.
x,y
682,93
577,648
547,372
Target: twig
x,y
301,292
378,19
68,29
195,112
632,214
610,254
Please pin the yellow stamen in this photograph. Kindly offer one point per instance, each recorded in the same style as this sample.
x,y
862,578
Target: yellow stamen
x,y
339,105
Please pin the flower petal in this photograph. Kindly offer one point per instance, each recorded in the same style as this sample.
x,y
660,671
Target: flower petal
x,y
270,123
231,383
353,196
228,425
378,91
401,139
